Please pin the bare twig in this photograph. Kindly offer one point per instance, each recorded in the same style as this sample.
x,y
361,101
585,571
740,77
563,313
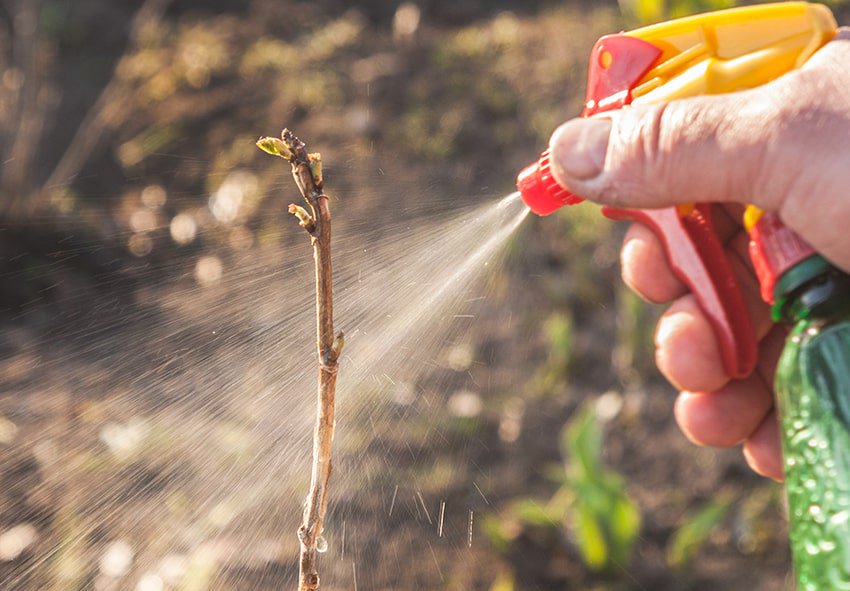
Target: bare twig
x,y
307,171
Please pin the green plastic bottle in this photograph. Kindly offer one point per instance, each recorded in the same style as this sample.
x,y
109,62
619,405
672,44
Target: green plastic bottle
x,y
813,396
812,386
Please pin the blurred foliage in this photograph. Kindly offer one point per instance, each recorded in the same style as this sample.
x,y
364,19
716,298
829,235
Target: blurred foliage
x,y
590,504
589,248
643,12
504,582
558,329
754,525
605,521
510,55
695,531
66,566
585,224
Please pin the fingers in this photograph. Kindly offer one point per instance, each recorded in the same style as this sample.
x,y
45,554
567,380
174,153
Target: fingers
x,y
731,414
687,353
645,269
740,411
643,260
763,450
726,417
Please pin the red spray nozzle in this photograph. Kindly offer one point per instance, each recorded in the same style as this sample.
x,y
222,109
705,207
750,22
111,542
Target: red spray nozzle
x,y
539,189
695,253
617,65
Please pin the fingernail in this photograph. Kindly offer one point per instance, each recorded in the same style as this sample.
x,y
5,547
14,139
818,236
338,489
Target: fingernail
x,y
578,148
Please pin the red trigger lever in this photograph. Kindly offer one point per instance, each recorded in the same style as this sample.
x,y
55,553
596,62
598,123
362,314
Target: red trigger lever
x,y
697,258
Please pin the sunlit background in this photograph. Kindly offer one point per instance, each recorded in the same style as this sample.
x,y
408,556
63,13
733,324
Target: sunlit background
x,y
501,425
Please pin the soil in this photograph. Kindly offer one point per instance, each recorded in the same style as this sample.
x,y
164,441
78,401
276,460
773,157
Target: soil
x,y
407,122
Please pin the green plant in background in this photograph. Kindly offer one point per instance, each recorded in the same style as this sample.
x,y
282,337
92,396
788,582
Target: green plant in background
x,y
644,12
558,328
504,582
695,532
603,520
590,504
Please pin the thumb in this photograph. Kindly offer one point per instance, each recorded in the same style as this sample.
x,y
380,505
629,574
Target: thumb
x,y
700,149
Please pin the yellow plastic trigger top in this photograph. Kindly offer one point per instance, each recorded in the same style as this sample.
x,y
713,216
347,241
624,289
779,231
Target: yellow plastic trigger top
x,y
731,49
752,215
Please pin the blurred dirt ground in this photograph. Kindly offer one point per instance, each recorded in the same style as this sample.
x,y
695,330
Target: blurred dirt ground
x,y
122,125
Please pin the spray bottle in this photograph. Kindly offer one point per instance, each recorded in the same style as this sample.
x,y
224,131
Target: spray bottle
x,y
715,53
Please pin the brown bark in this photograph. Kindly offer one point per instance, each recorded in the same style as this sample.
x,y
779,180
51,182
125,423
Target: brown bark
x,y
306,170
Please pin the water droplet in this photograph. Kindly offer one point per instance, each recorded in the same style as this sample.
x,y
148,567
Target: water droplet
x,y
826,545
321,545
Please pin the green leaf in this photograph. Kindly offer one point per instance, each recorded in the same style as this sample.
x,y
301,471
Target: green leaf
x,y
625,526
581,444
605,521
559,329
274,146
496,532
555,473
590,539
561,502
533,513
690,537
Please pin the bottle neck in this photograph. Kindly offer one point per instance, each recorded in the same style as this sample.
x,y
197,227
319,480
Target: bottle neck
x,y
812,290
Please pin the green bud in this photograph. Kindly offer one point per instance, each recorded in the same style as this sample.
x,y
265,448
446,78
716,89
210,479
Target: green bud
x,y
274,146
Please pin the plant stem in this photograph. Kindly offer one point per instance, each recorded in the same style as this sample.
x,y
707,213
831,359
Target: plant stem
x,y
306,170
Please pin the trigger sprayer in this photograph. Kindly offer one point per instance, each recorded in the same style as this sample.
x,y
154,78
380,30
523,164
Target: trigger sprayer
x,y
715,53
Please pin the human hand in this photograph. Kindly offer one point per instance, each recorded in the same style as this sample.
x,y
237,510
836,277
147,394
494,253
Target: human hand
x,y
784,147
